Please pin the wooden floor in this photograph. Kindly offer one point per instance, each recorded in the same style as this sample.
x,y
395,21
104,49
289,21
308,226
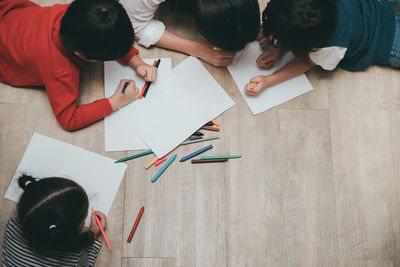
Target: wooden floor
x,y
317,185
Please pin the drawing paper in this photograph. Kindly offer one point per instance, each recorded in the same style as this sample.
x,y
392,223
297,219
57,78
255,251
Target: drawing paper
x,y
175,109
118,134
47,157
246,68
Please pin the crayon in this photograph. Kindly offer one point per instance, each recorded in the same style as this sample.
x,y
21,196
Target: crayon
x,y
163,169
149,83
135,225
150,163
145,84
102,230
135,156
195,138
196,153
209,128
158,162
221,157
200,140
198,134
208,160
215,123
124,88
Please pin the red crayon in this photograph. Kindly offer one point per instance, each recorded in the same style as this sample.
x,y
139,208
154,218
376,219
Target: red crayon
x,y
145,84
102,230
135,225
210,128
158,162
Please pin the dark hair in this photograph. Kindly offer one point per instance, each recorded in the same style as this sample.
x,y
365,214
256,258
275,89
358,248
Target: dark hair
x,y
51,211
99,29
299,24
228,24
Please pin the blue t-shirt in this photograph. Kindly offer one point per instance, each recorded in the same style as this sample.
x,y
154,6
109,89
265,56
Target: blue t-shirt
x,y
366,28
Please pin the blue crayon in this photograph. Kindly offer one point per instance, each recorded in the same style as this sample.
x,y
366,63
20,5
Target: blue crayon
x,y
123,89
163,168
194,154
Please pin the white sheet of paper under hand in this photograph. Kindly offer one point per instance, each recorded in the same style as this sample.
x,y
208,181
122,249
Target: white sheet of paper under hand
x,y
118,134
246,68
47,157
175,109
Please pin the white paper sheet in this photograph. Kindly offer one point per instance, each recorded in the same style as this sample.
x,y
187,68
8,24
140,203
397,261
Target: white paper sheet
x,y
246,68
173,110
47,157
118,134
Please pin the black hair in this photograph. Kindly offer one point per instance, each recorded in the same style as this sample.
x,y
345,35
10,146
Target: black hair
x,y
99,29
52,211
228,24
300,25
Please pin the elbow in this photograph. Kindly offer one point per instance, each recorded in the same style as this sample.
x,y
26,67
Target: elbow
x,y
68,127
69,124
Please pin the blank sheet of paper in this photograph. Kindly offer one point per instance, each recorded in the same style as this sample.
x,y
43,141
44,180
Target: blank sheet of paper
x,y
246,68
175,109
47,157
118,134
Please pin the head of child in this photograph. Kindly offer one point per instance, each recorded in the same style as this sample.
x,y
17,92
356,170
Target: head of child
x,y
52,212
228,24
97,30
299,25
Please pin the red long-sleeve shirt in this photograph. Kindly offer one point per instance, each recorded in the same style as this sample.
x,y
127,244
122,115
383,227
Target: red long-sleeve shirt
x,y
32,54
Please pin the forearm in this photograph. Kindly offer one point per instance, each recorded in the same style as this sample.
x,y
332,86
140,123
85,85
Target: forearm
x,y
296,67
75,117
172,41
135,62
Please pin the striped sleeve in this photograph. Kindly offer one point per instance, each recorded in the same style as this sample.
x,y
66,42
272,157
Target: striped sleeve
x,y
18,252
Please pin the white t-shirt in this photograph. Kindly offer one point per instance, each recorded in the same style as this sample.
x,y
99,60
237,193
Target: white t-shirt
x,y
148,31
328,57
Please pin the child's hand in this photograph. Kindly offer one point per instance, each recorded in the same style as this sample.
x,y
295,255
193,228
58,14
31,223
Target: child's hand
x,y
131,94
256,85
212,55
93,224
148,72
266,60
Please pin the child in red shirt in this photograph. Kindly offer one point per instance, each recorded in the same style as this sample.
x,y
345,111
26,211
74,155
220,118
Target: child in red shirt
x,y
47,45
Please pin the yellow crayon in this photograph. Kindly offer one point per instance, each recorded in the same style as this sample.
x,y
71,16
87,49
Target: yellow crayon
x,y
150,163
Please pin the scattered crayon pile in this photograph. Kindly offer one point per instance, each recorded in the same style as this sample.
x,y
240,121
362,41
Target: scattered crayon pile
x,y
194,138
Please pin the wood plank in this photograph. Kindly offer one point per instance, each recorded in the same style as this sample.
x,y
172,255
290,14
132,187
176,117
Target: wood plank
x,y
282,194
365,160
148,262
12,125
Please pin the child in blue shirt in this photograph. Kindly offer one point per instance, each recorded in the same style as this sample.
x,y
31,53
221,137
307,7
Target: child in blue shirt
x,y
351,34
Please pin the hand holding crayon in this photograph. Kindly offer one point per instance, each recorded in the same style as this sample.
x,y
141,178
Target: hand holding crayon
x,y
125,94
98,223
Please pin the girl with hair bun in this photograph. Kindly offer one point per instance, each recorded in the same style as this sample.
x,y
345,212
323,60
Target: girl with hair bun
x,y
49,227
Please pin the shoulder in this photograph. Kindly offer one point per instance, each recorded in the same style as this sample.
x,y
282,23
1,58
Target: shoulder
x,y
328,57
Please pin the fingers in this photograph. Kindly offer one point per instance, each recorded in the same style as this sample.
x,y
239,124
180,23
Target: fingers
x,y
253,89
122,84
151,74
267,59
256,79
255,86
102,218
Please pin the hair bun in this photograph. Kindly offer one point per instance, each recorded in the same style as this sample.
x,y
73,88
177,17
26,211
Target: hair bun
x,y
25,180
